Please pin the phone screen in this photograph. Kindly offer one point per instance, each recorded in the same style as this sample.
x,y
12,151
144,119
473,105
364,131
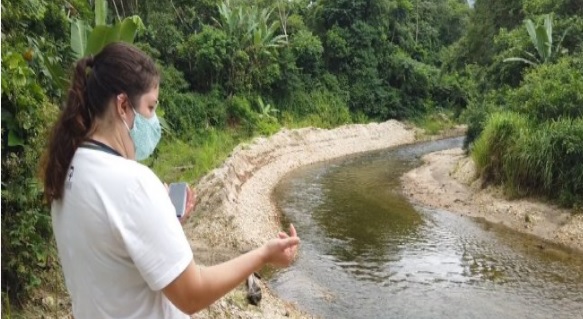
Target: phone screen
x,y
178,194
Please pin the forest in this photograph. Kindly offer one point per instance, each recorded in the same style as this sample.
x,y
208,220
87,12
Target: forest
x,y
232,69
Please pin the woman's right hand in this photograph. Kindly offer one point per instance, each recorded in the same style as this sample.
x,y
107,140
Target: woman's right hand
x,y
198,287
281,251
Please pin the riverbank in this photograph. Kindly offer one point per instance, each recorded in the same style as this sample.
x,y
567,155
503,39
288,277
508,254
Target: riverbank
x,y
235,212
447,181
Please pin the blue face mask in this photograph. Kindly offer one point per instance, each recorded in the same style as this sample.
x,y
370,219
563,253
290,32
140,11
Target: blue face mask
x,y
146,134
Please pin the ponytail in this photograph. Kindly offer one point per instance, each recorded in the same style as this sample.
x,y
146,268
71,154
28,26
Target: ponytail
x,y
70,130
118,68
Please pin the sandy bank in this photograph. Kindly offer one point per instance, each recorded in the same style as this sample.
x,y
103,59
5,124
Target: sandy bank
x,y
447,181
235,212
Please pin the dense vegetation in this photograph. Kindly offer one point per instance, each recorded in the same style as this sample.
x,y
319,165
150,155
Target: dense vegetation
x,y
233,69
525,58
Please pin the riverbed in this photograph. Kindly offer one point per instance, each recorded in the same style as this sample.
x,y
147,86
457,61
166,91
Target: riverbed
x,y
367,252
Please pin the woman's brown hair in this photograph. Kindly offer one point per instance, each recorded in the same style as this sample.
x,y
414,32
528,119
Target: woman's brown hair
x,y
118,68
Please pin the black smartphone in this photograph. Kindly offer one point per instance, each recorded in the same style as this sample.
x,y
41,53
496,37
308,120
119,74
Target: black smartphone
x,y
178,195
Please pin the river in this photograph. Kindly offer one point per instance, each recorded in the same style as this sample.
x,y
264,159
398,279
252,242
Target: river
x,y
367,252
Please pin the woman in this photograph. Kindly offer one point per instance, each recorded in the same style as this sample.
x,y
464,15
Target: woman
x,y
122,249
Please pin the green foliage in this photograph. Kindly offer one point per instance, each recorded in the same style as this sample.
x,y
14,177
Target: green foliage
x,y
560,7
163,34
253,116
189,112
533,159
189,159
254,45
487,18
307,50
320,108
26,229
87,40
207,55
478,112
524,118
551,91
230,70
435,122
500,133
536,149
547,161
541,37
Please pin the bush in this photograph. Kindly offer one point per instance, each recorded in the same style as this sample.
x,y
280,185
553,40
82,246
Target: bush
x,y
547,161
410,84
478,113
551,91
500,133
533,159
27,249
307,48
191,112
323,108
204,57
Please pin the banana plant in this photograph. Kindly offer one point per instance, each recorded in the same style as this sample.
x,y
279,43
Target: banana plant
x,y
249,27
541,37
266,110
87,40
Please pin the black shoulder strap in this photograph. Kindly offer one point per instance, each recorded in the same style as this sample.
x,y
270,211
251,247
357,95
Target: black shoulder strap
x,y
96,145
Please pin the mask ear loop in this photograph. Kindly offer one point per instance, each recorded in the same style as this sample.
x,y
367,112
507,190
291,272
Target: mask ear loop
x,y
123,120
128,130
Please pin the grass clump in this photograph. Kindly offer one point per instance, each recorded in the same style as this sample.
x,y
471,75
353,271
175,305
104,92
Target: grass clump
x,y
533,159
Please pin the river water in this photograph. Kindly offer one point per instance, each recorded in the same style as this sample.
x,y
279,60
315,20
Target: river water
x,y
367,252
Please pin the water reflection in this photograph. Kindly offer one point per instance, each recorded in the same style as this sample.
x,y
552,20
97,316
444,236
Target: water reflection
x,y
367,253
364,217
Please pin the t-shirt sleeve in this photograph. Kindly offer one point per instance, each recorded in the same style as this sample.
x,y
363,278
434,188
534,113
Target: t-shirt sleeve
x,y
152,233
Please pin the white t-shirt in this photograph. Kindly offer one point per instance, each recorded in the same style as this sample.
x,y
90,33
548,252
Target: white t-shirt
x,y
118,238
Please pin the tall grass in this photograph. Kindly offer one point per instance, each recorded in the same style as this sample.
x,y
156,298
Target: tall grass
x,y
499,135
548,161
533,159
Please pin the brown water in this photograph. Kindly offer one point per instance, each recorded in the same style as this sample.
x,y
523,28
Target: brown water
x,y
368,253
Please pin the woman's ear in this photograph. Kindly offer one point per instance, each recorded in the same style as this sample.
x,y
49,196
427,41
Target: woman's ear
x,y
123,105
119,105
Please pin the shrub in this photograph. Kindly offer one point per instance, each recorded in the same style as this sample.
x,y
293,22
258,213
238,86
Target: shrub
x,y
551,91
547,161
500,133
191,112
307,48
27,250
478,113
324,108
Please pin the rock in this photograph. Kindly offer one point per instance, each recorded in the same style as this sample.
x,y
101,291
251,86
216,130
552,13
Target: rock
x,y
48,301
253,290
